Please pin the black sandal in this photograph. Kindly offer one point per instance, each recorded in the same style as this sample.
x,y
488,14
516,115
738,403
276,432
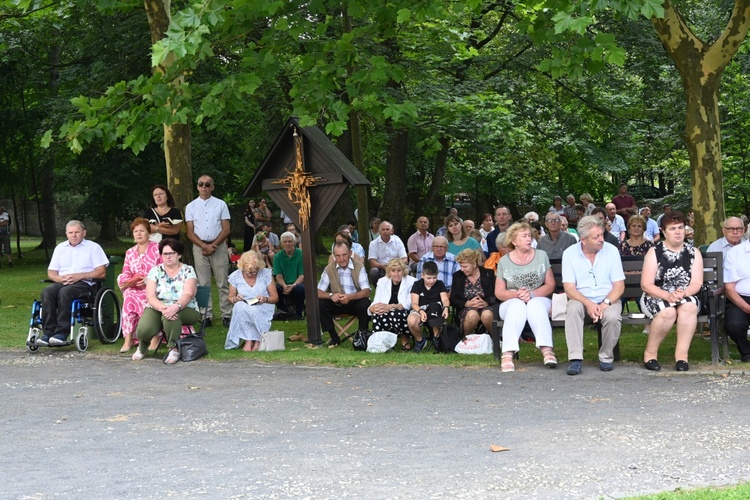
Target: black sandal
x,y
406,347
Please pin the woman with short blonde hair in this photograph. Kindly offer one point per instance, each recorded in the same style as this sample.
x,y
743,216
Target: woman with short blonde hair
x,y
252,290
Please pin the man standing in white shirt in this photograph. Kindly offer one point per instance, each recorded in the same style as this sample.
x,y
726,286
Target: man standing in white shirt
x,y
382,249
207,220
5,236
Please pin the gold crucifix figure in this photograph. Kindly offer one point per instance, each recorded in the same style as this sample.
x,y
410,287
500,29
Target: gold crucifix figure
x,y
298,182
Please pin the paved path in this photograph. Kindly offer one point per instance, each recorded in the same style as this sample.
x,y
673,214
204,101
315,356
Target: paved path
x,y
86,426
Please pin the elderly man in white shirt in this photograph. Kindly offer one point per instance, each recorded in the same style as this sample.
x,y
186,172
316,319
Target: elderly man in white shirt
x,y
733,229
384,248
618,223
207,221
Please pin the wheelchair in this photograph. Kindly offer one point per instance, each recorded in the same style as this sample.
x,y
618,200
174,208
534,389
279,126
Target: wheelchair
x,y
99,312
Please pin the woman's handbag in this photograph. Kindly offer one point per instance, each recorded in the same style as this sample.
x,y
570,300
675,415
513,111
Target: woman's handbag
x,y
192,347
359,341
272,341
559,306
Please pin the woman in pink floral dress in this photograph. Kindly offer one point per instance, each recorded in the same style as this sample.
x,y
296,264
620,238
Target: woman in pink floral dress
x,y
138,262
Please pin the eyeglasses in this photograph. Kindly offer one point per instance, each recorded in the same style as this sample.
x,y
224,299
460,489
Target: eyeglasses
x,y
591,272
734,228
202,184
168,254
439,246
553,220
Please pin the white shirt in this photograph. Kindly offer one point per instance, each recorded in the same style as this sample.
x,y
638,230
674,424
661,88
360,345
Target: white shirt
x,y
383,252
82,258
736,269
206,216
720,245
618,225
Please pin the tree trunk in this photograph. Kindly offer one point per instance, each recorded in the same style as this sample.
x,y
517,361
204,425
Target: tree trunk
x,y
177,138
433,200
702,135
700,67
49,227
395,177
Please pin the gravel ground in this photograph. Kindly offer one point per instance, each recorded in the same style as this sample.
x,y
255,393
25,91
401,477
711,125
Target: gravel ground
x,y
84,426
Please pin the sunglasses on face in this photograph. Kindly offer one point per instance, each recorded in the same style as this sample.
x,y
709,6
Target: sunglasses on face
x,y
202,184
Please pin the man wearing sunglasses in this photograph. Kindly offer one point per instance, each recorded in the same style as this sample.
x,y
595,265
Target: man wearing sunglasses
x,y
207,219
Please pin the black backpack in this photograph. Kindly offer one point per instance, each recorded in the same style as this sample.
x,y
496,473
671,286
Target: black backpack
x,y
448,339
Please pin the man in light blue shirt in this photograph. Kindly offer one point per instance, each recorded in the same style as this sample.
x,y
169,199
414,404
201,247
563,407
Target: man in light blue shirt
x,y
652,228
594,282
618,223
733,228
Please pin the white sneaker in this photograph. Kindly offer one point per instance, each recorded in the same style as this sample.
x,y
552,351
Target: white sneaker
x,y
138,355
173,357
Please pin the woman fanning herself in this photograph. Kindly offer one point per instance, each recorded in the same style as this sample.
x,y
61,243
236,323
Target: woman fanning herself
x,y
170,290
252,290
524,283
473,292
637,244
139,260
165,218
672,276
392,301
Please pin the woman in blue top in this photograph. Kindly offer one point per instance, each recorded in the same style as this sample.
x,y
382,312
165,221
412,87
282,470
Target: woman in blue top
x,y
458,237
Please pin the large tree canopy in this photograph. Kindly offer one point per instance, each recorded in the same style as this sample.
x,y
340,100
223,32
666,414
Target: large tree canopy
x,y
512,103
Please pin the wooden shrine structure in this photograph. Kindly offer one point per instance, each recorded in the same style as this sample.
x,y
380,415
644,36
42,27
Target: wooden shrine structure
x,y
305,174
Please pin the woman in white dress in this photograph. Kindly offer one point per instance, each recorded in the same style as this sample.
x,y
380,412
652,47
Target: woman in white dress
x,y
252,290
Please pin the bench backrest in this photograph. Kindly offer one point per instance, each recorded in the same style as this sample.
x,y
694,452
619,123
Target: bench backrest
x,y
713,273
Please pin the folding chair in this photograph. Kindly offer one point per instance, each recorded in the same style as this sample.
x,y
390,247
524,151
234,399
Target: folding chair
x,y
343,328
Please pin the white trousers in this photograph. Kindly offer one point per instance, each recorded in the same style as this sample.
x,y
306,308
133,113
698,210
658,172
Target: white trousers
x,y
515,313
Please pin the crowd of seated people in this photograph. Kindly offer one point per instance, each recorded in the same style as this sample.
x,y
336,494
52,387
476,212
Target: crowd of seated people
x,y
516,279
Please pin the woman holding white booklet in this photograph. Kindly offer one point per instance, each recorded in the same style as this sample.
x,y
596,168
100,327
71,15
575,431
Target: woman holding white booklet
x,y
164,217
252,290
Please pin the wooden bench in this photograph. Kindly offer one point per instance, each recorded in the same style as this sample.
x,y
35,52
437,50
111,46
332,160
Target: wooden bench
x,y
713,276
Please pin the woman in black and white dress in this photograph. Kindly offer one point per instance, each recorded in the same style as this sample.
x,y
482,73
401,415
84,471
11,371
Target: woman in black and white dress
x,y
672,276
392,302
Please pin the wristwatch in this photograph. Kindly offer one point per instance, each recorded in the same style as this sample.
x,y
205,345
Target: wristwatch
x,y
607,301
330,295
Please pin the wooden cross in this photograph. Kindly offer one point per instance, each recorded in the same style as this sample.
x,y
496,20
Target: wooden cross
x,y
298,181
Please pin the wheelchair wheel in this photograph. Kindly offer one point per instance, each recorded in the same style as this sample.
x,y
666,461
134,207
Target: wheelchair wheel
x,y
34,333
82,339
106,316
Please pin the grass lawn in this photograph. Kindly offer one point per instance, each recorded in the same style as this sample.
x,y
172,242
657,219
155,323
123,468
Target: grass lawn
x,y
740,492
20,285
